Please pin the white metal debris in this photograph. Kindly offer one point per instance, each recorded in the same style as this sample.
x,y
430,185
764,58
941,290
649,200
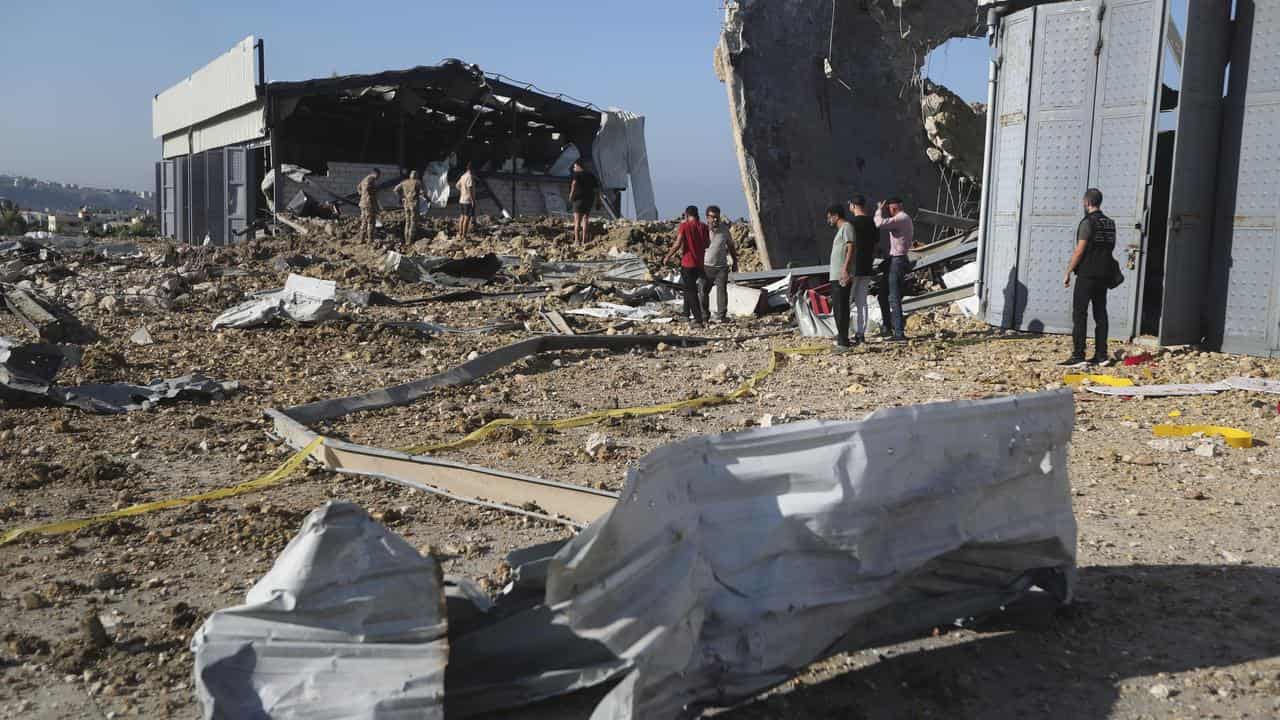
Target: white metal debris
x,y
349,622
303,299
729,562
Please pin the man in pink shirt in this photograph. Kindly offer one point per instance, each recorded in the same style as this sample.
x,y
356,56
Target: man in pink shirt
x,y
900,232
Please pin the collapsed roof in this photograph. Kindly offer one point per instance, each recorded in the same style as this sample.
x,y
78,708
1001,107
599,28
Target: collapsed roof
x,y
425,114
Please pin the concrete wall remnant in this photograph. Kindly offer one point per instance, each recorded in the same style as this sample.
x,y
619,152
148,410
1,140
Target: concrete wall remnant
x,y
805,140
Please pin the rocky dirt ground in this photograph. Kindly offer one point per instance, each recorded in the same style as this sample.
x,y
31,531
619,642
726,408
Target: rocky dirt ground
x,y
1178,611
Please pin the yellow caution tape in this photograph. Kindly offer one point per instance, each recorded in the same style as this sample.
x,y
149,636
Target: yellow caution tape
x,y
275,477
1109,380
1235,438
591,418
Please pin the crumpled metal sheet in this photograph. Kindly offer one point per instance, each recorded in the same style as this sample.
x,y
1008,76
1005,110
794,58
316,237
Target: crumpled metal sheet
x,y
622,266
732,561
28,372
1179,390
472,272
303,299
729,564
649,312
1261,385
349,622
31,368
124,397
813,324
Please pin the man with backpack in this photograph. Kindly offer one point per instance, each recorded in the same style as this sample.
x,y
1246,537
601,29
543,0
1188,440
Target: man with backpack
x,y
1096,272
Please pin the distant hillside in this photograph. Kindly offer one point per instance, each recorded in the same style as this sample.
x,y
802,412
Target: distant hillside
x,y
32,194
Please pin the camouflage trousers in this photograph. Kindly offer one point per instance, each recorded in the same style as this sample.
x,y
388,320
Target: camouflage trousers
x,y
368,221
410,221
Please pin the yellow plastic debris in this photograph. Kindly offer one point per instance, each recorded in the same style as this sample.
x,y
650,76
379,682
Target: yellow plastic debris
x,y
1108,380
275,477
776,357
1235,438
1175,414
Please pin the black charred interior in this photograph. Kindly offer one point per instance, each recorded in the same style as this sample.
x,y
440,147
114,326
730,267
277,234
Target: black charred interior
x,y
425,114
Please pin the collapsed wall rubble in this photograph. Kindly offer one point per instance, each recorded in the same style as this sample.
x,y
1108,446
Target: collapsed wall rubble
x,y
805,136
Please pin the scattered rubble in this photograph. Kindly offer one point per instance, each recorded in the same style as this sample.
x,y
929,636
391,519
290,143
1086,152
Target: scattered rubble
x,y
1168,538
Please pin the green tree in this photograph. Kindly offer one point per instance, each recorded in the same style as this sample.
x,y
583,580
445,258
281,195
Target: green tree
x,y
11,222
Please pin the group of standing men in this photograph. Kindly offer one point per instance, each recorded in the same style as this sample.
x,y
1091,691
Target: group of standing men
x,y
411,194
705,251
583,190
861,237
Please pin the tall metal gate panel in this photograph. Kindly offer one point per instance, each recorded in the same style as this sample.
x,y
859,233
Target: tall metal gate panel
x,y
1057,165
182,200
1206,41
168,198
238,208
1123,131
199,199
1251,189
1009,147
216,189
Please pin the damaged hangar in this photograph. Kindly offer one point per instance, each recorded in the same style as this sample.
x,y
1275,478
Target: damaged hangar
x,y
1175,126
1172,123
228,134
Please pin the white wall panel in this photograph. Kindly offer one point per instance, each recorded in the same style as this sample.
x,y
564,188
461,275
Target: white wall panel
x,y
227,83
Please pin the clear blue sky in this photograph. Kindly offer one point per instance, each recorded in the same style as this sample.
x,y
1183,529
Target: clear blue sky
x,y
78,75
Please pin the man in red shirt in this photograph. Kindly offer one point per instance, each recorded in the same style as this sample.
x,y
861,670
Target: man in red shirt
x,y
691,242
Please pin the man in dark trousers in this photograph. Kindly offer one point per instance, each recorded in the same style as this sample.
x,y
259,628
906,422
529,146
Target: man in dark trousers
x,y
839,273
1092,263
866,243
690,244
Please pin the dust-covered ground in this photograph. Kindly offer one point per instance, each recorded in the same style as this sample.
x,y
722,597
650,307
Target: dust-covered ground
x,y
1178,602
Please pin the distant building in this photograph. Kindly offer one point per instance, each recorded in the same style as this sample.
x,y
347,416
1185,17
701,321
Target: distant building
x,y
224,130
64,223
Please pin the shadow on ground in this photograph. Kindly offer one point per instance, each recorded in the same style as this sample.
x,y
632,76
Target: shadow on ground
x,y
1128,622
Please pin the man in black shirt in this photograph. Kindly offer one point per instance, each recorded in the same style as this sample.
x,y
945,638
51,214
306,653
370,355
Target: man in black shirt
x,y
1091,262
582,196
866,244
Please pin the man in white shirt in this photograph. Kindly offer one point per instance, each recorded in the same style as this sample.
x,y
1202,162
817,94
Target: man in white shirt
x,y
467,200
719,254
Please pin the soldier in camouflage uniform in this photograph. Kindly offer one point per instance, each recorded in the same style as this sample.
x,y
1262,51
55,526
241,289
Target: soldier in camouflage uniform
x,y
409,191
368,190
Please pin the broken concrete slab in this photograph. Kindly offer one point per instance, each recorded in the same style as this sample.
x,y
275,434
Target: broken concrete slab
x,y
50,321
303,299
142,336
